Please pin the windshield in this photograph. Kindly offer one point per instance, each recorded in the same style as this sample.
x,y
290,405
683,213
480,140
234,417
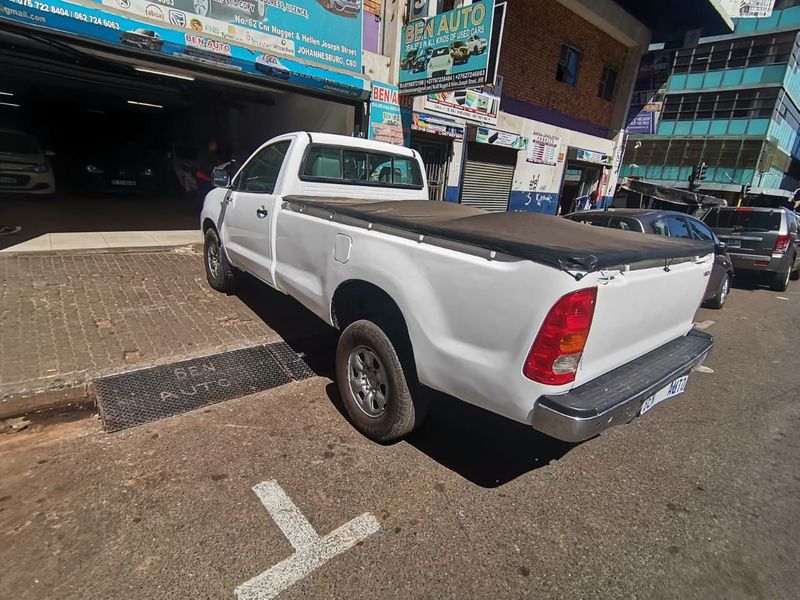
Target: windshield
x,y
760,220
17,143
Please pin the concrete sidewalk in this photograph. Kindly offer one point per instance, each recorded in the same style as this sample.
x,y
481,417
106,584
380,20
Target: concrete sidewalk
x,y
106,239
71,316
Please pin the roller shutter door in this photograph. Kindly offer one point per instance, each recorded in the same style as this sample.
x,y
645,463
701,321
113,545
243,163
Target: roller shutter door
x,y
487,185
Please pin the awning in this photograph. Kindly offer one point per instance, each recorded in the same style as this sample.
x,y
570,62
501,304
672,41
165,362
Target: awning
x,y
669,194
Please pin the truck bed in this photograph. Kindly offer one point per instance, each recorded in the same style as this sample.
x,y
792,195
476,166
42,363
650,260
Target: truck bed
x,y
541,238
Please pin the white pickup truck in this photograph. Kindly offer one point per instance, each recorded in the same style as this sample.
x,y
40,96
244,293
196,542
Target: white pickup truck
x,y
567,328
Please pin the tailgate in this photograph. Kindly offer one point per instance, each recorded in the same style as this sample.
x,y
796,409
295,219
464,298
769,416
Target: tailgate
x,y
640,310
755,242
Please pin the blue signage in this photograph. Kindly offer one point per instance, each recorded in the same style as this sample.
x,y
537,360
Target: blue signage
x,y
448,51
327,32
389,115
188,46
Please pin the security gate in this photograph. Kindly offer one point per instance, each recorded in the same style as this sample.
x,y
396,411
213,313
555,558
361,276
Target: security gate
x,y
434,156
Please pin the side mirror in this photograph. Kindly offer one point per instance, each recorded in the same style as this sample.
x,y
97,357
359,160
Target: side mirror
x,y
221,178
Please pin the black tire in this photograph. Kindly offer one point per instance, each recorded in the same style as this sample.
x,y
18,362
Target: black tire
x,y
721,295
780,281
795,275
223,278
405,403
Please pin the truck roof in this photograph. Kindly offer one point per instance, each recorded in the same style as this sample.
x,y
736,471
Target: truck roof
x,y
354,142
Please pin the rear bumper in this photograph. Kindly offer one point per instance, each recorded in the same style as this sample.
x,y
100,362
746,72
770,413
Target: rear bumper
x,y
756,262
617,397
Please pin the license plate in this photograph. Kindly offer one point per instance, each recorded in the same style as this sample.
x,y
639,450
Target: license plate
x,y
673,389
9,180
127,182
734,243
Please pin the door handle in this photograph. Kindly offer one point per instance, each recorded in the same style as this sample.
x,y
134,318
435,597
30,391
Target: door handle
x,y
262,212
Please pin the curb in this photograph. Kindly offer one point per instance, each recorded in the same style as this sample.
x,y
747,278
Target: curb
x,y
75,396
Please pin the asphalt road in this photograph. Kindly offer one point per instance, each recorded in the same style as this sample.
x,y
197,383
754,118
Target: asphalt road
x,y
700,498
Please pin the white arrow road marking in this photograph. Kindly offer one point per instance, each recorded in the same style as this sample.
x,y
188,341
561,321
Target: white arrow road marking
x,y
311,550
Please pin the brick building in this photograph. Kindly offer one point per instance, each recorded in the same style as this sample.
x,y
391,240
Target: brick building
x,y
565,74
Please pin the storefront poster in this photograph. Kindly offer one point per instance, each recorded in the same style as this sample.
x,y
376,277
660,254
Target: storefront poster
x,y
543,148
483,135
448,51
318,31
389,115
188,46
471,105
436,126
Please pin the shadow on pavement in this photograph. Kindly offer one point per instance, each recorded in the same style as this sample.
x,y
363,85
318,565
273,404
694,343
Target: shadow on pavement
x,y
482,447
68,212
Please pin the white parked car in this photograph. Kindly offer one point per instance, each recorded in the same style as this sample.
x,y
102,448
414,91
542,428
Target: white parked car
x,y
440,62
476,44
542,320
24,166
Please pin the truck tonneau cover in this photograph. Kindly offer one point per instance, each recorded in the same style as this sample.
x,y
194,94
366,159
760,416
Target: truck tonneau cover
x,y
541,238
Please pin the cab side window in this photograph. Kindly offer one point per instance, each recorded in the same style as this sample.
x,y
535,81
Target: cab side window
x,y
261,172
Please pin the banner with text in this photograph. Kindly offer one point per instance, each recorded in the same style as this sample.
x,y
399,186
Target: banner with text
x,y
471,105
389,115
318,31
188,46
448,51
543,148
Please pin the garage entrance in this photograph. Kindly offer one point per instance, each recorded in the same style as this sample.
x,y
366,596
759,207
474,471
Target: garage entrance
x,y
97,142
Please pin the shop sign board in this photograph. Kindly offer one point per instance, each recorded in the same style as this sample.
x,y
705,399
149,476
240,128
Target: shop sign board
x,y
389,115
484,135
543,148
429,124
591,156
317,31
470,105
162,41
448,51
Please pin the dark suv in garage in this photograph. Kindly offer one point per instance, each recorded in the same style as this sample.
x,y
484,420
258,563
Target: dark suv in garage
x,y
761,240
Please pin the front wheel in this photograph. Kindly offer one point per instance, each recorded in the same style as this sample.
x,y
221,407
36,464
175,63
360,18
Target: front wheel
x,y
373,385
219,272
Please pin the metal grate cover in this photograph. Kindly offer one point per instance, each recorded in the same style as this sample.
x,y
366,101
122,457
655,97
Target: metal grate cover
x,y
130,399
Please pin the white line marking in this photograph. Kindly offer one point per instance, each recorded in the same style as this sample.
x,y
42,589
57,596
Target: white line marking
x,y
704,324
781,297
704,369
311,550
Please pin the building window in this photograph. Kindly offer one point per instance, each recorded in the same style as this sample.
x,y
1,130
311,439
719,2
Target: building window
x,y
737,53
568,64
608,83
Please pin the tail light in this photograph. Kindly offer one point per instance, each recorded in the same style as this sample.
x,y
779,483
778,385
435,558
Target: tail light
x,y
783,243
557,351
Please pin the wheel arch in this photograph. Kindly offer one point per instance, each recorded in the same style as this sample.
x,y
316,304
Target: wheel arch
x,y
356,299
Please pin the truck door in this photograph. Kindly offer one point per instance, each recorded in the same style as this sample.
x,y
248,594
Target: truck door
x,y
248,227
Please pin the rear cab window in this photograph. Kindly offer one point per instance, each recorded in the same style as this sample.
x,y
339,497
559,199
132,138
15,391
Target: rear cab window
x,y
743,219
353,166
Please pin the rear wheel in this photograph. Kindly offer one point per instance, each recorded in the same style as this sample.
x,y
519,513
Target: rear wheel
x,y
374,387
724,288
795,275
219,272
780,281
